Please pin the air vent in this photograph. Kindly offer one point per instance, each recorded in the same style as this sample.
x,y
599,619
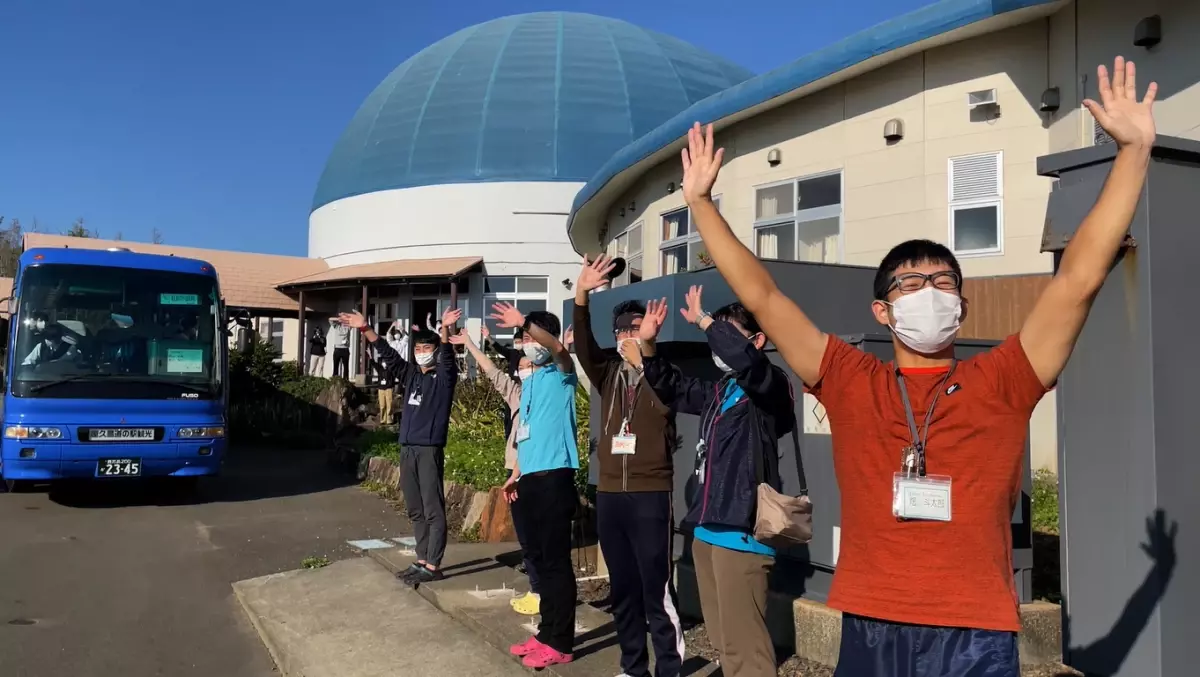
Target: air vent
x,y
981,99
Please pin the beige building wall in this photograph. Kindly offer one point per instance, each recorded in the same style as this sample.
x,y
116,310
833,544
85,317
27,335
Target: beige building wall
x,y
893,191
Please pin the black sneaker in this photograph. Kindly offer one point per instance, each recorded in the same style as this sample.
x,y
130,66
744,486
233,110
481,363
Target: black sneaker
x,y
424,576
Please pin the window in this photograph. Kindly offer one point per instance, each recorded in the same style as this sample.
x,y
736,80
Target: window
x,y
628,246
800,220
681,246
526,293
976,204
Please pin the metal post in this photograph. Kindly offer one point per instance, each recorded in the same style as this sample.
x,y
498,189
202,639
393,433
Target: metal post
x,y
362,341
453,295
301,338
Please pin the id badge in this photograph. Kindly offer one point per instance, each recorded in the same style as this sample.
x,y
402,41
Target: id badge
x,y
415,399
921,498
522,432
624,445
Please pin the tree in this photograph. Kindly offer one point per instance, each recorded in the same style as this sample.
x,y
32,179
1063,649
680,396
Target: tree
x,y
156,236
77,229
11,238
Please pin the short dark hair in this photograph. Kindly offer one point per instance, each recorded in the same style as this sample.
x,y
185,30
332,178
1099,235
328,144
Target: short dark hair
x,y
630,307
425,337
547,320
911,253
736,312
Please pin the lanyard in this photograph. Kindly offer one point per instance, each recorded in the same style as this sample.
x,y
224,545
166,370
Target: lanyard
x,y
918,440
621,391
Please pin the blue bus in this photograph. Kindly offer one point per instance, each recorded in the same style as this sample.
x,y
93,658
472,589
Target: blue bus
x,y
116,368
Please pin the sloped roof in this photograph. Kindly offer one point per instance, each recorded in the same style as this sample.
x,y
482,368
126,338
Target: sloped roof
x,y
247,280
399,270
863,51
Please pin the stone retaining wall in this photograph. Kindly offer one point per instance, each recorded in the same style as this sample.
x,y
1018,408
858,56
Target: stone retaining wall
x,y
483,515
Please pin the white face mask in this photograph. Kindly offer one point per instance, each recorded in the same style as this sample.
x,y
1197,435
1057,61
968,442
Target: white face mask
x,y
537,353
517,345
424,359
927,320
721,364
524,374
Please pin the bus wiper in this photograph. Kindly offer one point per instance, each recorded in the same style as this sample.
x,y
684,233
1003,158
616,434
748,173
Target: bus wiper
x,y
119,377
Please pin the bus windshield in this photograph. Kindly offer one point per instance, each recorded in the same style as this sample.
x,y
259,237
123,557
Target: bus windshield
x,y
100,332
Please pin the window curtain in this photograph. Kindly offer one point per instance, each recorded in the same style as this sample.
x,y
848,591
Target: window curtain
x,y
768,205
671,260
768,243
671,226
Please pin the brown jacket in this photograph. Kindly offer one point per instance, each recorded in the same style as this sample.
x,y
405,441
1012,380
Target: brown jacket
x,y
651,467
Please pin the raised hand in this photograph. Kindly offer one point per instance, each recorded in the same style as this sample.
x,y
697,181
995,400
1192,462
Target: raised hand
x,y
459,339
354,320
694,311
595,273
450,316
701,164
1160,545
569,336
652,321
507,316
484,332
1127,121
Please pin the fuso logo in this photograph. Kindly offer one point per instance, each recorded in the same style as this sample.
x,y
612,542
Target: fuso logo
x,y
190,396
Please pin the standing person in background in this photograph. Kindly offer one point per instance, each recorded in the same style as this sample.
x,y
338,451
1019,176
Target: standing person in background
x,y
636,445
339,337
429,384
510,391
742,416
547,458
512,358
387,390
926,588
316,352
398,340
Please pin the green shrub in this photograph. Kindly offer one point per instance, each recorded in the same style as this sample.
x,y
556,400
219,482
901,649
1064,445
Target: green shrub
x,y
382,442
1045,502
305,388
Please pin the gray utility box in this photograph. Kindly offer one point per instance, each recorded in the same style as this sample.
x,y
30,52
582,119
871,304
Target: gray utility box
x,y
838,299
1128,455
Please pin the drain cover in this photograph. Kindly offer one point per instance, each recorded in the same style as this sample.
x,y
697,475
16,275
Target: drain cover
x,y
22,621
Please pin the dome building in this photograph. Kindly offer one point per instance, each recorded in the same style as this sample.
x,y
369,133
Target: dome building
x,y
472,150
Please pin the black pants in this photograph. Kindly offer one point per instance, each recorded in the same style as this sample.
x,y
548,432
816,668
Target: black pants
x,y
636,533
341,362
520,525
421,473
549,502
872,648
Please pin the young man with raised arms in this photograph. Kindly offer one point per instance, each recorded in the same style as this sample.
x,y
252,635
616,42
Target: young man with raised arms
x,y
928,449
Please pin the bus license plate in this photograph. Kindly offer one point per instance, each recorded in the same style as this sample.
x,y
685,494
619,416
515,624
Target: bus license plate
x,y
121,434
119,467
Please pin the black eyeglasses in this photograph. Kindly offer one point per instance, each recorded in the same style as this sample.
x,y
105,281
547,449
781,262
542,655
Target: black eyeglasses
x,y
946,280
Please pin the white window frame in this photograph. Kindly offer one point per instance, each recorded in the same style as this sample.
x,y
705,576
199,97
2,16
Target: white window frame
x,y
801,216
688,240
512,297
623,278
953,206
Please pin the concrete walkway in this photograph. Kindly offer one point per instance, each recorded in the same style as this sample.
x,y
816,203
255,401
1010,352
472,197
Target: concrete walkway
x,y
354,619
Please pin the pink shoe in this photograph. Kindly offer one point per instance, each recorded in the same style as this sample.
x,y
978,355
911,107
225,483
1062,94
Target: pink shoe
x,y
529,646
545,657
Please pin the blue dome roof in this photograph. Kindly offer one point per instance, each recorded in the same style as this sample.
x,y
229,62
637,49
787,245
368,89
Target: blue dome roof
x,y
533,97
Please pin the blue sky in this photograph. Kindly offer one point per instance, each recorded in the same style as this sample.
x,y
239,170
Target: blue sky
x,y
211,120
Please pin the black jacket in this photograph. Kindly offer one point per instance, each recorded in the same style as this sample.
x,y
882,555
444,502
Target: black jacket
x,y
426,422
726,492
316,344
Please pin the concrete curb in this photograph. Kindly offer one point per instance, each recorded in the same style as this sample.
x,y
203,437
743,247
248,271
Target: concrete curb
x,y
277,657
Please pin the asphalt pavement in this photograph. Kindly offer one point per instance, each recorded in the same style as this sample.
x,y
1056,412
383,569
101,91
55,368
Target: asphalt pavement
x,y
133,580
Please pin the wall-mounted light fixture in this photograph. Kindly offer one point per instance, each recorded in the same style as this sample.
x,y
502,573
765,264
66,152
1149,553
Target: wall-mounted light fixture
x,y
774,157
1051,100
1148,32
632,205
622,211
670,188
893,130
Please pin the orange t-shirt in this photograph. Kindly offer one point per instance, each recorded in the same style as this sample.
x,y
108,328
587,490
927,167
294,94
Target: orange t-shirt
x,y
951,574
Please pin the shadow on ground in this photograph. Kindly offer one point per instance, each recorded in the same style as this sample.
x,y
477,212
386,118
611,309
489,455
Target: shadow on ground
x,y
249,475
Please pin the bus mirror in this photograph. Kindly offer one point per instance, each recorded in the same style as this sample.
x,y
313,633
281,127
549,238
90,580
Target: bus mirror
x,y
6,306
241,339
241,317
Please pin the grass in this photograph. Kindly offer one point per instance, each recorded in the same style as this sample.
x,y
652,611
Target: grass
x,y
1045,502
314,562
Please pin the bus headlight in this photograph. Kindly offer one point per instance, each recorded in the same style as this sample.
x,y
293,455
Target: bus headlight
x,y
202,433
21,432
